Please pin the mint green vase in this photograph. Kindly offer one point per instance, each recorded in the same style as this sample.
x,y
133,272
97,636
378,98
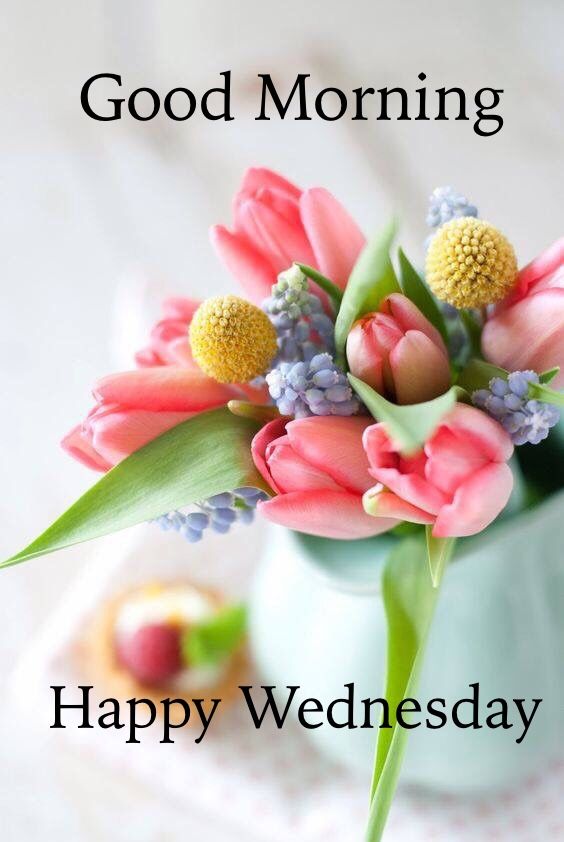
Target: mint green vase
x,y
317,620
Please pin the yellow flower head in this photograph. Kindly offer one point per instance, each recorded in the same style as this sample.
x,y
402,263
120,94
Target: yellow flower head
x,y
470,263
232,340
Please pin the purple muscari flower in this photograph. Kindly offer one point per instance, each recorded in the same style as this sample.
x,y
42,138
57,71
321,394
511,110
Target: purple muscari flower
x,y
525,420
302,326
313,387
218,513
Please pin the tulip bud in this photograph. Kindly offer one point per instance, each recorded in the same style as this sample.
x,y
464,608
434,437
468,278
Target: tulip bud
x,y
399,353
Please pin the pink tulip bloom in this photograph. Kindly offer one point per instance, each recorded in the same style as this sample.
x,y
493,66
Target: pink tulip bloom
x,y
527,330
399,353
168,342
275,224
319,471
134,407
459,482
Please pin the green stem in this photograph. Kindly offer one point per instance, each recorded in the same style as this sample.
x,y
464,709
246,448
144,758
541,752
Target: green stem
x,y
332,290
410,598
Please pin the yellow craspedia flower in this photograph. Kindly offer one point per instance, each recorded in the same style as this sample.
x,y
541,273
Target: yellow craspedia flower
x,y
232,340
470,263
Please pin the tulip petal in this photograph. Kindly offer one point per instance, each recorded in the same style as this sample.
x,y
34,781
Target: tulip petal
x,y
404,477
420,370
165,388
381,503
180,309
364,357
451,459
333,445
545,264
477,502
77,444
254,271
292,473
258,178
269,232
169,345
336,239
265,436
117,434
280,203
528,335
473,427
409,317
329,514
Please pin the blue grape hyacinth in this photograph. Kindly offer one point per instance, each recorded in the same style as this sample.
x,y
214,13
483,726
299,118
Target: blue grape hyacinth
x,y
302,326
218,513
314,387
446,204
526,420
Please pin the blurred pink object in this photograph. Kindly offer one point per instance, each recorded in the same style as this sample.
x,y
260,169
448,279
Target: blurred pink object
x,y
168,343
527,330
275,224
134,407
399,353
319,471
460,482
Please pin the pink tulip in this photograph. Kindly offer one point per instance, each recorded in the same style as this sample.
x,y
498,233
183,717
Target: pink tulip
x,y
459,482
319,471
134,407
527,330
399,353
168,343
276,223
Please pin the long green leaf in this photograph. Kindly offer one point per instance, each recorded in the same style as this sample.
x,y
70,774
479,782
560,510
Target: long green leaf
x,y
477,374
332,290
205,455
409,601
409,426
416,290
372,278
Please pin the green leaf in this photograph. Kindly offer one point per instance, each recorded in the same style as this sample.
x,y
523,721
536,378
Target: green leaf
x,y
439,551
540,392
409,426
548,376
332,290
371,280
208,643
205,455
416,290
409,601
477,374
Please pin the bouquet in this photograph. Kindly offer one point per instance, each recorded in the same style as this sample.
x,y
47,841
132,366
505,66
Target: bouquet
x,y
343,395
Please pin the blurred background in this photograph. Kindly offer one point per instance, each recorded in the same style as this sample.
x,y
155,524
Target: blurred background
x,y
94,214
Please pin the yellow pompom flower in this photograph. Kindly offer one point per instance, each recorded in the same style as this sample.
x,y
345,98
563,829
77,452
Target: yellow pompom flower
x,y
232,340
470,263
